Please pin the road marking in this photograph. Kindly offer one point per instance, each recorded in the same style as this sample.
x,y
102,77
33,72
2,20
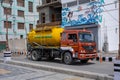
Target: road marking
x,y
3,71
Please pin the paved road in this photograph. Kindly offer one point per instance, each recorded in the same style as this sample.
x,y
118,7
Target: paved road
x,y
93,66
12,72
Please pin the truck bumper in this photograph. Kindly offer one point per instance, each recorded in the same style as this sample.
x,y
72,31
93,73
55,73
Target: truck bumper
x,y
87,56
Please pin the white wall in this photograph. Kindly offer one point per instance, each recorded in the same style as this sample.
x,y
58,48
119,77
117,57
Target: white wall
x,y
108,24
111,18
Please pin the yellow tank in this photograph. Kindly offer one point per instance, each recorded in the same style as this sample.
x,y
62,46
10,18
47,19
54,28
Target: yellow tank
x,y
47,36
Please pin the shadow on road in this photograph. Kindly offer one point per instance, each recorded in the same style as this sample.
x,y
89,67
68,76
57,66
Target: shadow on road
x,y
75,63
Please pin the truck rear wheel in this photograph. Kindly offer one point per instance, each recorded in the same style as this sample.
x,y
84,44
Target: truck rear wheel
x,y
35,56
68,58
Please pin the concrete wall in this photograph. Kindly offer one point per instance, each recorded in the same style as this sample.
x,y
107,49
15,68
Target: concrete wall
x,y
17,45
47,11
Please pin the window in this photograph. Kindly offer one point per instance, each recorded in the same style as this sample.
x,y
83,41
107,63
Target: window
x,y
7,1
30,27
30,6
83,1
73,3
54,0
48,1
86,37
43,17
53,17
72,37
64,5
63,36
7,24
20,25
20,3
58,16
20,13
21,36
7,11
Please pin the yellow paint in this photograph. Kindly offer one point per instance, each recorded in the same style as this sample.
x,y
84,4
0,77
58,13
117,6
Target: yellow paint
x,y
49,36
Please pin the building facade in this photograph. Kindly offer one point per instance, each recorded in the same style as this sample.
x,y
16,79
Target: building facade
x,y
21,17
49,12
99,16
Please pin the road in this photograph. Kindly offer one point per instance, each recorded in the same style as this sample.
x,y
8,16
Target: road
x,y
92,66
13,72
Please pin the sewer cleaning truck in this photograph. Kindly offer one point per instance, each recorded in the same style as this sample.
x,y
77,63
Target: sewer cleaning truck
x,y
66,44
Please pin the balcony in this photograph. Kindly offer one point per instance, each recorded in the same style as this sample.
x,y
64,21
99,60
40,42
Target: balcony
x,y
56,23
47,3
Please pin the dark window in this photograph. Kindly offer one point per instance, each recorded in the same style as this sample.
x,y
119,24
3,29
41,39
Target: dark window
x,y
7,24
21,36
54,0
20,3
72,37
48,1
43,17
20,13
30,6
86,37
30,27
20,25
53,17
83,1
58,16
7,11
73,3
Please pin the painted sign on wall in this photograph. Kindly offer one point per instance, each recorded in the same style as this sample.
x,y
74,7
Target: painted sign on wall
x,y
91,14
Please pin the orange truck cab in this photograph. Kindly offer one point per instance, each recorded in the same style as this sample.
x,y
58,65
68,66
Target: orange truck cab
x,y
81,44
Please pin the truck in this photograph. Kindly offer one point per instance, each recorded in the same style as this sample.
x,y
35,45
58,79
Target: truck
x,y
66,44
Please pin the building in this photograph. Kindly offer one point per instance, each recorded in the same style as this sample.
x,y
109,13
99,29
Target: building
x,y
99,16
49,13
20,18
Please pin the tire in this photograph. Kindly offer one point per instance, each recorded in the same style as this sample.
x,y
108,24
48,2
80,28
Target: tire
x,y
84,61
68,58
35,56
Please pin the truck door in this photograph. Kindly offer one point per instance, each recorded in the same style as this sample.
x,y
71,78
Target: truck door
x,y
72,41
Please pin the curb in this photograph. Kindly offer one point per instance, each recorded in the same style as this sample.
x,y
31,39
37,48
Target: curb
x,y
86,74
108,59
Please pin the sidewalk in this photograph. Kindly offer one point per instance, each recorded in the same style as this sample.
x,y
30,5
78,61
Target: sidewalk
x,y
97,76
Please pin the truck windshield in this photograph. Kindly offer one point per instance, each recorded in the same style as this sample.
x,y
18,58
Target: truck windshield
x,y
86,37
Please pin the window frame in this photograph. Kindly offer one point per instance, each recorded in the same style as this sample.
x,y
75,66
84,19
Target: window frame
x,y
30,6
20,13
20,24
7,24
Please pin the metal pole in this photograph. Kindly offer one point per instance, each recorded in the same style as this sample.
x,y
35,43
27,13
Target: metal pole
x,y
119,32
7,47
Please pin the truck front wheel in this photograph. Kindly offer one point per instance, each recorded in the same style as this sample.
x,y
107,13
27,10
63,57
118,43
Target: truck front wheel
x,y
68,58
35,55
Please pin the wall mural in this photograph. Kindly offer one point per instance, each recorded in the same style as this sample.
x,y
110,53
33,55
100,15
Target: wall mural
x,y
92,14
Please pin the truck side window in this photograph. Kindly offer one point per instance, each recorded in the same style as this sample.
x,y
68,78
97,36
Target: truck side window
x,y
72,37
63,36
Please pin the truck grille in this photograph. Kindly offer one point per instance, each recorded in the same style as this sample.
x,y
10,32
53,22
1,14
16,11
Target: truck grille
x,y
89,48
